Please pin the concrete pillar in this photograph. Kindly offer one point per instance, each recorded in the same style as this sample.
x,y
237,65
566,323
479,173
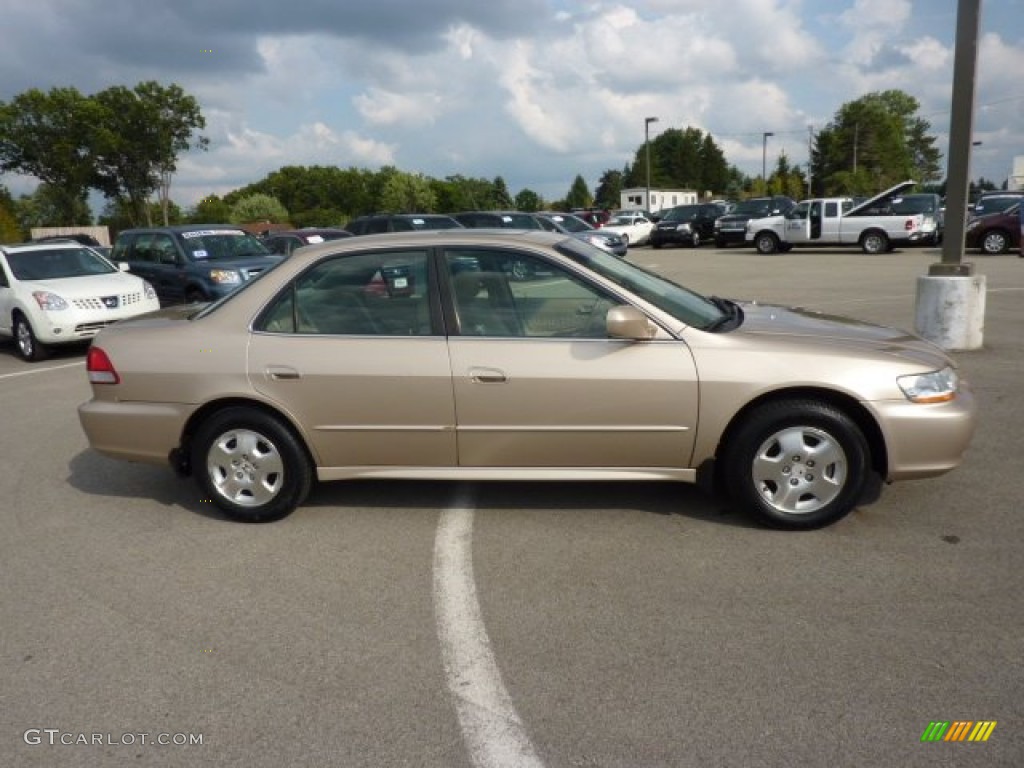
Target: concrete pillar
x,y
950,310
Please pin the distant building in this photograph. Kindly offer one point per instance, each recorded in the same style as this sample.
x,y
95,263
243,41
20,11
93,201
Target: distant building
x,y
1016,180
634,199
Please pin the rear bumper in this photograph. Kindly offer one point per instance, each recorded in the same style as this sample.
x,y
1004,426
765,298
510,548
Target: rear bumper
x,y
142,432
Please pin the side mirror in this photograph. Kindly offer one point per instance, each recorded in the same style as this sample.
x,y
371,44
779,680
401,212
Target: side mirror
x,y
626,322
124,266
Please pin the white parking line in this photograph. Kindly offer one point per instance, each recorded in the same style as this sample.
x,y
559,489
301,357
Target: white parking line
x,y
40,370
491,728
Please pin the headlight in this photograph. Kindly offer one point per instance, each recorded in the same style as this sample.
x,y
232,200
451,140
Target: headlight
x,y
150,293
934,387
225,276
49,301
597,240
683,227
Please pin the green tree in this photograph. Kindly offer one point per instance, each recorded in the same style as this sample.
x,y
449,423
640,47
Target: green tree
x,y
872,143
406,192
579,194
140,135
10,230
609,189
210,210
51,136
258,207
501,200
529,201
48,205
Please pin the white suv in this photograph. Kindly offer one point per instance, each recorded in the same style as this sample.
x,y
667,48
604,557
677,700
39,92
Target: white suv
x,y
64,293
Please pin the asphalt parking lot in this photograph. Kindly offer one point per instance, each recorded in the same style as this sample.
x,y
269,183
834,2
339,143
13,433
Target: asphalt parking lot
x,y
630,624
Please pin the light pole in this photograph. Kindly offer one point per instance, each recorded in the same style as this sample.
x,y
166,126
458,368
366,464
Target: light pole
x,y
764,158
647,152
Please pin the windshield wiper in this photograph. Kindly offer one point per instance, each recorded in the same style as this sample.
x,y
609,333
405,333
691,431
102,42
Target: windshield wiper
x,y
730,312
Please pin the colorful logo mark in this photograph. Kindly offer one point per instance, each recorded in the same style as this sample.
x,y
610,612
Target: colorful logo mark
x,y
958,730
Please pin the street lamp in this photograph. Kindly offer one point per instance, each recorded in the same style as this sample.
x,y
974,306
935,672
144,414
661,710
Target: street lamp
x,y
764,157
647,152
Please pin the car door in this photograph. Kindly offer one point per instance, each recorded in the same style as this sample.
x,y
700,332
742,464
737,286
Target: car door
x,y
353,350
798,225
6,299
538,383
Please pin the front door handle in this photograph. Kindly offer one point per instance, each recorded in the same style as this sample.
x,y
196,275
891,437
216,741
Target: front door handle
x,y
487,375
282,373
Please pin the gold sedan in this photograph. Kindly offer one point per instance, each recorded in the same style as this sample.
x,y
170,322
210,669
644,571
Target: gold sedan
x,y
426,355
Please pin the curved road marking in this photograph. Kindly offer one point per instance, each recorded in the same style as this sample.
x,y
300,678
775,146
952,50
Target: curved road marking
x,y
491,728
40,370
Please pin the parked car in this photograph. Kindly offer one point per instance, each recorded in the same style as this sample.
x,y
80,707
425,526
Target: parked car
x,y
570,224
595,217
615,373
687,225
194,262
995,233
287,240
929,205
632,226
377,223
497,220
64,293
731,227
995,201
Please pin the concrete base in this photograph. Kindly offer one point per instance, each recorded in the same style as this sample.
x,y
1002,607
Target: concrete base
x,y
950,311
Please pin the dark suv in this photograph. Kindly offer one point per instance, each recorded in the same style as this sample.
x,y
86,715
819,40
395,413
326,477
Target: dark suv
x,y
376,223
196,262
687,225
731,229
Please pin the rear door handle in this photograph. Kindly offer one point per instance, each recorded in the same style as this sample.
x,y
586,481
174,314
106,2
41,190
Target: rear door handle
x,y
487,375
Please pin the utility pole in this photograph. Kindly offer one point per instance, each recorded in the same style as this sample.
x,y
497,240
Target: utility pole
x,y
647,152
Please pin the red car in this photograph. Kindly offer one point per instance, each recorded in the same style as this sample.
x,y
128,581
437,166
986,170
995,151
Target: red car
x,y
995,233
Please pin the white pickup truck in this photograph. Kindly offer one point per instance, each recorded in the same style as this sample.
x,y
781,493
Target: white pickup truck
x,y
839,221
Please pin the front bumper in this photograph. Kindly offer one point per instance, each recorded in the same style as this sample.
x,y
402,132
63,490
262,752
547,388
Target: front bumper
x,y
76,324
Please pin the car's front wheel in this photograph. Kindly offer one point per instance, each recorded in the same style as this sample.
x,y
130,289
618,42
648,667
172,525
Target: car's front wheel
x,y
766,242
796,464
25,340
251,465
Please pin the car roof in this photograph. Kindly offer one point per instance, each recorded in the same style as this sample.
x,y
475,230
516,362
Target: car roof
x,y
179,228
47,246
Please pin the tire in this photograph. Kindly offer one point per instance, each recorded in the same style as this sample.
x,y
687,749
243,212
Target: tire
x,y
766,242
874,242
625,239
655,245
995,242
796,464
194,296
250,465
695,240
25,341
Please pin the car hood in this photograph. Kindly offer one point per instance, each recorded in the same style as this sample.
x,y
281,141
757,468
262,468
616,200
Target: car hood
x,y
836,330
86,285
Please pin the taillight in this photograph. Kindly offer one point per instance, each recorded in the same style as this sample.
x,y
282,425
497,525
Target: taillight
x,y
99,367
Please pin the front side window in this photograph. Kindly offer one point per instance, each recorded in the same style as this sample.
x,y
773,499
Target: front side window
x,y
368,294
506,294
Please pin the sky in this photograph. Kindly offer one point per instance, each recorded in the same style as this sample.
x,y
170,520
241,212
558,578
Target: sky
x,y
534,91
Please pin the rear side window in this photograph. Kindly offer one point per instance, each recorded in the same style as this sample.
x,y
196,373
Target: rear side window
x,y
368,294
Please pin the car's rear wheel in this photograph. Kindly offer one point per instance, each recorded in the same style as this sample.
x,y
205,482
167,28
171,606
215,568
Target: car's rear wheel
x,y
995,242
796,464
874,242
251,465
25,340
766,242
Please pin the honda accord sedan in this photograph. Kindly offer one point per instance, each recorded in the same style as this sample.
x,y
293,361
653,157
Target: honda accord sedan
x,y
417,355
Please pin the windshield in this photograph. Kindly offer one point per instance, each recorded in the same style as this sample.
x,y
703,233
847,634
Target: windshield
x,y
570,223
54,264
913,204
682,213
688,307
411,223
752,208
213,244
